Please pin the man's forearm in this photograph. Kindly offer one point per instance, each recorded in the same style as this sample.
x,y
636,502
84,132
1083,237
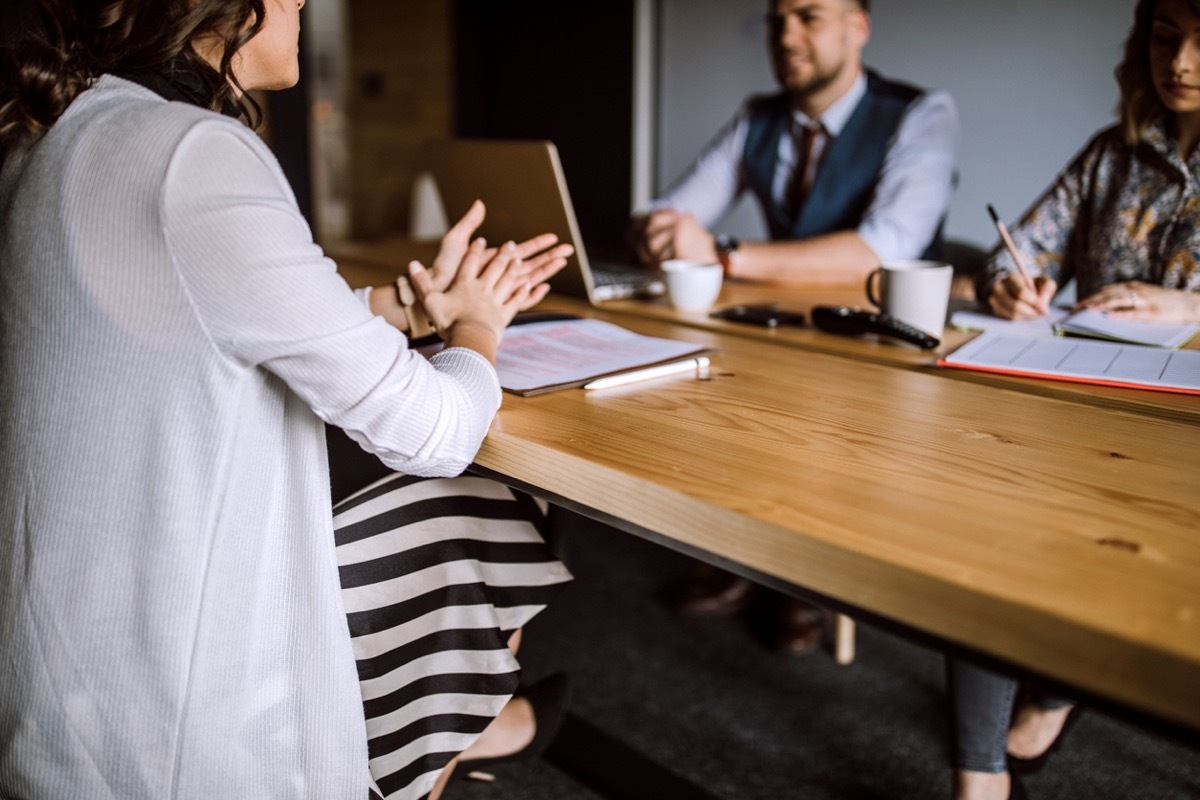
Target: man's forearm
x,y
835,258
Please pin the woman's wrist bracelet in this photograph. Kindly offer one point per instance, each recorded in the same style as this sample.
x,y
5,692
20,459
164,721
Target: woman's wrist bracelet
x,y
418,323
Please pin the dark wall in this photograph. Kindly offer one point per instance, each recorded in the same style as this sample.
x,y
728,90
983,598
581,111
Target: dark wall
x,y
549,69
12,16
288,113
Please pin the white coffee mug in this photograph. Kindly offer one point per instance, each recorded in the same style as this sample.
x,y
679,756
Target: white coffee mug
x,y
916,292
691,285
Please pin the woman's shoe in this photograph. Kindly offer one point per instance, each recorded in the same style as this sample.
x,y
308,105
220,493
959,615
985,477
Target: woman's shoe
x,y
549,698
1029,766
1016,788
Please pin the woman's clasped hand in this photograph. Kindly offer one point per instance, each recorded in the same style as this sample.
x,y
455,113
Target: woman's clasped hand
x,y
476,285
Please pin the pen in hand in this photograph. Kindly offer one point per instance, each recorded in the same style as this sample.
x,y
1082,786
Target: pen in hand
x,y
1011,246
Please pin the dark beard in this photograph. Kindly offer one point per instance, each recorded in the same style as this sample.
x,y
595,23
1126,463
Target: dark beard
x,y
818,84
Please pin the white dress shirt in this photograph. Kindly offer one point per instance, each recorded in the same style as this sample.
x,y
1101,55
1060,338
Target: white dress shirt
x,y
912,195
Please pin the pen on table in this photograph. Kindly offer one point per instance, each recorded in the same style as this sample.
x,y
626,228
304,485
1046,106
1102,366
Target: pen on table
x,y
1012,249
691,365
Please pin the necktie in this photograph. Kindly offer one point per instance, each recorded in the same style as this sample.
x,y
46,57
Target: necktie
x,y
806,166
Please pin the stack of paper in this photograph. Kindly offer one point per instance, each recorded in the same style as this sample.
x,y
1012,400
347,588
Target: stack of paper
x,y
536,357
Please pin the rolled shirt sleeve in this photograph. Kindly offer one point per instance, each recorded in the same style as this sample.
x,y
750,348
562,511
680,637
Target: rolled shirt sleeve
x,y
916,182
713,180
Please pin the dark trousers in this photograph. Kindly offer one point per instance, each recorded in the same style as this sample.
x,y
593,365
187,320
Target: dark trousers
x,y
982,707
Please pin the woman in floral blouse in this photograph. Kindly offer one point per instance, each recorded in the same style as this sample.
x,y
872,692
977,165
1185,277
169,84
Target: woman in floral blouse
x,y
1123,220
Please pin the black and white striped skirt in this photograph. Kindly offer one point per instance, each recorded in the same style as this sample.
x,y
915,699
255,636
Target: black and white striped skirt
x,y
436,576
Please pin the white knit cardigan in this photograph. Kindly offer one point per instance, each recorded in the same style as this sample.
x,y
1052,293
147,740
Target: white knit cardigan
x,y
170,341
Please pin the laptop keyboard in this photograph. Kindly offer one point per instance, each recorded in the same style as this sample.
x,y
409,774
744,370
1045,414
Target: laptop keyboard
x,y
637,281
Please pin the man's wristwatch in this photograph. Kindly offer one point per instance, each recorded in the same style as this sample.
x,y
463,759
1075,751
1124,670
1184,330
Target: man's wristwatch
x,y
726,246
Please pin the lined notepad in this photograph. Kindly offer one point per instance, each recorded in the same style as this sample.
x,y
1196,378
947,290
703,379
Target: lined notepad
x,y
1095,324
1080,360
1102,326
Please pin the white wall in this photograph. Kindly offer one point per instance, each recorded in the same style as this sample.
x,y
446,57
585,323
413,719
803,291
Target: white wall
x,y
1032,80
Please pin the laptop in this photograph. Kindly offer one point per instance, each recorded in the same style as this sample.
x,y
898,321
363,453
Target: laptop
x,y
522,184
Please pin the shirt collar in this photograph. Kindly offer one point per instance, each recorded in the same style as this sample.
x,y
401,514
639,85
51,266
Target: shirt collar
x,y
838,114
1157,134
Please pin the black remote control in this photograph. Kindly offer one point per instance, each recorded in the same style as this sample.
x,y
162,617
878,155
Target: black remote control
x,y
853,321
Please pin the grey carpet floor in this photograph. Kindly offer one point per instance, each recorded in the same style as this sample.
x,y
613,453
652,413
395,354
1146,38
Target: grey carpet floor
x,y
705,699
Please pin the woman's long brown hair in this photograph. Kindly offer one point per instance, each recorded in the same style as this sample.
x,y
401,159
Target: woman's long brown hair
x,y
1139,99
62,46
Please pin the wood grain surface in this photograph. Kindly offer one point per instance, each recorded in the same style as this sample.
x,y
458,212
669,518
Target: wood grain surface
x,y
1060,537
1051,525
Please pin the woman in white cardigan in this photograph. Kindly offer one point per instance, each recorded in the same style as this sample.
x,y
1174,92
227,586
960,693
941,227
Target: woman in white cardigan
x,y
171,341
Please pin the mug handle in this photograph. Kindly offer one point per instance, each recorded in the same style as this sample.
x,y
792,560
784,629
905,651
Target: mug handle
x,y
871,287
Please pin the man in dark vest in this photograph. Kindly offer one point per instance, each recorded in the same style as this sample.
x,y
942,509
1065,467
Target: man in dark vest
x,y
849,169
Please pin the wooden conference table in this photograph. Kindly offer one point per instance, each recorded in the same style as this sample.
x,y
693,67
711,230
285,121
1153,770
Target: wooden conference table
x,y
1054,529
896,354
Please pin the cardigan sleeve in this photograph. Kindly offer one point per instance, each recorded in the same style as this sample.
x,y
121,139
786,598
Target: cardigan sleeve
x,y
269,299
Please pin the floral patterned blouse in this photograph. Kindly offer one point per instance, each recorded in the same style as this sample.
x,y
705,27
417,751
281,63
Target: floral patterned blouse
x,y
1116,213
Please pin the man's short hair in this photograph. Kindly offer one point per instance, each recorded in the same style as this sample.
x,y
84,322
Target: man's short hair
x,y
865,5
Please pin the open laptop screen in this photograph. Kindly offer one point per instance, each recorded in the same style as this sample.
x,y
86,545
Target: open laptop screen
x,y
523,186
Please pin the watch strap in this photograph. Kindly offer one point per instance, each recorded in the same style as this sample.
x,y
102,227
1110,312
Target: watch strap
x,y
418,323
726,246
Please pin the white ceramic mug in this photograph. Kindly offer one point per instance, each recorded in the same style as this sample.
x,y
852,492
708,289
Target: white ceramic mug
x,y
916,292
692,286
